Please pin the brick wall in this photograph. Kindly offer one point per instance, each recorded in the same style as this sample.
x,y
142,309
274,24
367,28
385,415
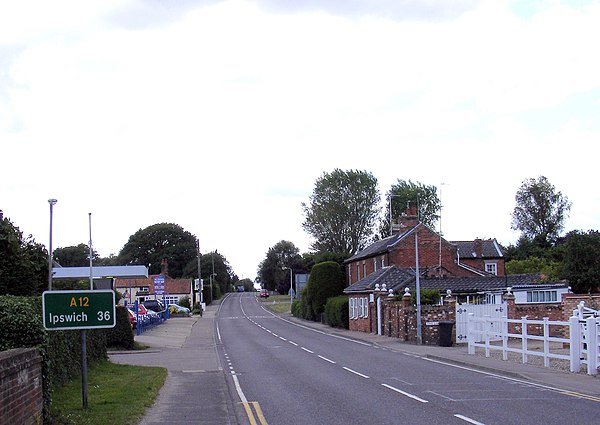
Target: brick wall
x,y
399,317
570,302
399,320
554,312
21,398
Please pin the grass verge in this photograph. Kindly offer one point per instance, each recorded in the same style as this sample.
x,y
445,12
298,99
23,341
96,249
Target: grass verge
x,y
117,394
277,303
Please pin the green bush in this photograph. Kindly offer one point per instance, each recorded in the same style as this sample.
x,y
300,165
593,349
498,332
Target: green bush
x,y
216,291
428,297
185,302
336,312
326,280
121,336
297,309
21,326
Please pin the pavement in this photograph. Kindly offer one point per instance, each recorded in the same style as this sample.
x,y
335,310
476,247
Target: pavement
x,y
196,390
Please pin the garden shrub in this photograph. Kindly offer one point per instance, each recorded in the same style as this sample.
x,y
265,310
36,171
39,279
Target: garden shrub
x,y
121,336
336,312
185,302
326,280
428,297
297,309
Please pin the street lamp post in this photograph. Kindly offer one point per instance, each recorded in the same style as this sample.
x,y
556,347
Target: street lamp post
x,y
52,202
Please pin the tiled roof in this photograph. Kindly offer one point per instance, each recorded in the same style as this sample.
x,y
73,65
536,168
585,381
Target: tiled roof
x,y
172,286
381,246
466,249
489,248
398,279
392,277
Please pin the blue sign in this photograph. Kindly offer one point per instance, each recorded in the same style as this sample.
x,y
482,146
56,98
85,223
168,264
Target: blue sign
x,y
159,285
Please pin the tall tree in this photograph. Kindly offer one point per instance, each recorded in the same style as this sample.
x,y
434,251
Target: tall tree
x,y
403,193
540,211
273,271
581,264
342,211
75,256
23,262
164,240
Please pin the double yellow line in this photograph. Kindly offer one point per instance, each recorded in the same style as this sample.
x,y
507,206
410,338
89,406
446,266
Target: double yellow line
x,y
254,413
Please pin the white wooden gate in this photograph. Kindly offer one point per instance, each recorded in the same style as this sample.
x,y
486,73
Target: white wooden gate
x,y
479,311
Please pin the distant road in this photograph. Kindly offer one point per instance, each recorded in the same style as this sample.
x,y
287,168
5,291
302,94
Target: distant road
x,y
286,374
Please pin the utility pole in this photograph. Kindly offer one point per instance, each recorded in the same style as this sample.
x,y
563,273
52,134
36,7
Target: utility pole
x,y
199,275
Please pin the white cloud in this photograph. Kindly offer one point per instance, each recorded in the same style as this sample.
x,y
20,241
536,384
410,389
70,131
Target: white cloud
x,y
219,116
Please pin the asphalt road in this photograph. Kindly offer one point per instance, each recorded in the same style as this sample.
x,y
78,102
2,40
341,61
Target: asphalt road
x,y
285,373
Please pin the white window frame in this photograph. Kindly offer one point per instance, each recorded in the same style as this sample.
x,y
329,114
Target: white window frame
x,y
491,267
542,296
365,307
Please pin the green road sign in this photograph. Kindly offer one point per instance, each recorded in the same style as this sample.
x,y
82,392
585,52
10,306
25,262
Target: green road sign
x,y
78,309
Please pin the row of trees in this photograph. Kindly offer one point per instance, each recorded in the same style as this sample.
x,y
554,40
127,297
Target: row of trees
x,y
344,215
24,262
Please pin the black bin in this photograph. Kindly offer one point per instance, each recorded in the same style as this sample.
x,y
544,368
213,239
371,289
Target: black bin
x,y
445,333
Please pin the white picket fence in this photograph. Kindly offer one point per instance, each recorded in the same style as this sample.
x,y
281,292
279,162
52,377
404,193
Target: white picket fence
x,y
583,339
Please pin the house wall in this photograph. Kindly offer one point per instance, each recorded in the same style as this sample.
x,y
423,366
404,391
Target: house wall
x,y
361,324
403,254
21,396
479,263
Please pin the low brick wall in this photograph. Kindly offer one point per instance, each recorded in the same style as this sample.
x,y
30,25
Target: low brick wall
x,y
399,320
399,317
21,397
571,301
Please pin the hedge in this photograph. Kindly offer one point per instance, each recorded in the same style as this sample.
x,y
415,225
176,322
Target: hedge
x,y
336,312
121,336
21,326
326,280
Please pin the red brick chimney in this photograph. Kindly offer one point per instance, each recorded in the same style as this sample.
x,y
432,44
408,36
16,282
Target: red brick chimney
x,y
410,218
164,267
478,247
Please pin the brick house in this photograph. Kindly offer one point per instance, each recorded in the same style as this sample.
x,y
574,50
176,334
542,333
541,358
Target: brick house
x,y
437,256
169,289
473,272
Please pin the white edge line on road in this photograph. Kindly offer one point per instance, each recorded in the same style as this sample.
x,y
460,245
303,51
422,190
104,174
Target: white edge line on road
x,y
293,343
471,421
414,397
307,350
355,372
218,333
239,389
326,359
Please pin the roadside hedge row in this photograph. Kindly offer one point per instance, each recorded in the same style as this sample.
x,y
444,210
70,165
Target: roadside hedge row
x,y
21,326
121,336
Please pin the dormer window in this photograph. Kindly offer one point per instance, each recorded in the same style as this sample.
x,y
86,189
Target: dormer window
x,y
491,268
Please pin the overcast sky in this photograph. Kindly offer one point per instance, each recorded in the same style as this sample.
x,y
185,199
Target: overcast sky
x,y
220,115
